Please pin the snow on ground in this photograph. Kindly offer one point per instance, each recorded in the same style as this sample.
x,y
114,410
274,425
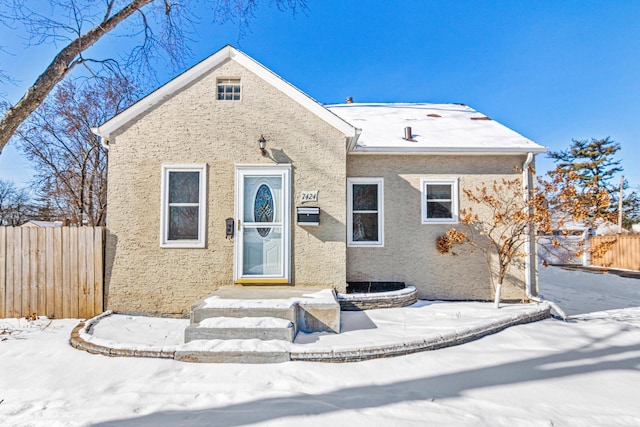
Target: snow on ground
x,y
360,329
585,372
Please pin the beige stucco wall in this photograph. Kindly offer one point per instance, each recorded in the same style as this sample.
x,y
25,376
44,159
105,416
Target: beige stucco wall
x,y
193,127
409,253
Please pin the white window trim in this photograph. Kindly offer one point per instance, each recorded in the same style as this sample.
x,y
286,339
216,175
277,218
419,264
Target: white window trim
x,y
164,206
454,200
380,183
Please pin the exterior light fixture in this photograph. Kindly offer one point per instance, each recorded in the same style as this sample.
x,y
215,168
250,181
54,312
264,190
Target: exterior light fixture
x,y
262,143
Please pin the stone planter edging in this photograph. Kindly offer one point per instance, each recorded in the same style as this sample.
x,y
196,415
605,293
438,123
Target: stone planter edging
x,y
83,329
442,341
376,300
346,355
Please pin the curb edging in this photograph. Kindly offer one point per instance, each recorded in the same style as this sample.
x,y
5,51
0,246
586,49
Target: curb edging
x,y
340,356
442,341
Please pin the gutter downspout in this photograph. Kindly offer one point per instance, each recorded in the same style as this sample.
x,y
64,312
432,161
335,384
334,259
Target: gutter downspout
x,y
529,256
353,140
527,185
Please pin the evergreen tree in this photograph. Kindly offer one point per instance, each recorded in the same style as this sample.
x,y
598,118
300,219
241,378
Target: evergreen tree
x,y
594,162
596,165
631,209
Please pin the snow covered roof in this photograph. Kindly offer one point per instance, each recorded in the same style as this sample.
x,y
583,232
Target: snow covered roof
x,y
435,129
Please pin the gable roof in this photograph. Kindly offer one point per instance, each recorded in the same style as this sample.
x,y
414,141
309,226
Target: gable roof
x,y
106,129
435,129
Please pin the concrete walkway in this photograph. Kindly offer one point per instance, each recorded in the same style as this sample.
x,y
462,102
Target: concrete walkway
x,y
364,335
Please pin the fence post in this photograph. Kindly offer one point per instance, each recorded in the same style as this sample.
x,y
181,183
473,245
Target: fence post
x,y
3,271
586,256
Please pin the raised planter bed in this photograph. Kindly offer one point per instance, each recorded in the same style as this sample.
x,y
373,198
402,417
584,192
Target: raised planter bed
x,y
375,295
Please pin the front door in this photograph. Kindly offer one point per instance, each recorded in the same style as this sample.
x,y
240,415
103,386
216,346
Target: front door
x,y
263,216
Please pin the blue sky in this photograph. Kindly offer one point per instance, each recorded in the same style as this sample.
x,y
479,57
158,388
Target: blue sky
x,y
551,70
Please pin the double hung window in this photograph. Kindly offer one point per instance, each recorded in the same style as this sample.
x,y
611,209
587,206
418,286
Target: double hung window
x,y
440,201
183,206
365,225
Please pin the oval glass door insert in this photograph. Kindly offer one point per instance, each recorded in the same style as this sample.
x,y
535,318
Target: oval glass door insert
x,y
263,208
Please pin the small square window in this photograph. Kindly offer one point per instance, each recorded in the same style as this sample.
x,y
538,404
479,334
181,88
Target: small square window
x,y
229,89
439,201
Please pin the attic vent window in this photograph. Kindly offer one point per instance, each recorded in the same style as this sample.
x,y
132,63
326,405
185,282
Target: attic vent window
x,y
229,89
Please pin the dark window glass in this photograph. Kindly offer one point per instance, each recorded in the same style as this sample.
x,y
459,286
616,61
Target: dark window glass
x,y
184,187
263,208
439,203
439,210
437,191
365,227
183,223
365,197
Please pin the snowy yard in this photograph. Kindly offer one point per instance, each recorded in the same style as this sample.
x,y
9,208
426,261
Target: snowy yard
x,y
585,372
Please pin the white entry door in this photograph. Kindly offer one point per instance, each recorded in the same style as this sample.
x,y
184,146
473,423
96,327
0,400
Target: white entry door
x,y
263,217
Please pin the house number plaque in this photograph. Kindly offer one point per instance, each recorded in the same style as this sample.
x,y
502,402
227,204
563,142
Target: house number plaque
x,y
309,196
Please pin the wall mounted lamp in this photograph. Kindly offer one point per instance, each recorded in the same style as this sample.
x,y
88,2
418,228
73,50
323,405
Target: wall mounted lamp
x,y
262,143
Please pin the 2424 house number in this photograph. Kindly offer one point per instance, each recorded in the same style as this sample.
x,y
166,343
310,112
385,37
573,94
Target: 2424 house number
x,y
309,196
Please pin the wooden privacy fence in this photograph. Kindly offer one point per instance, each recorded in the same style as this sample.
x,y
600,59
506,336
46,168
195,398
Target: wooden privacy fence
x,y
625,252
51,271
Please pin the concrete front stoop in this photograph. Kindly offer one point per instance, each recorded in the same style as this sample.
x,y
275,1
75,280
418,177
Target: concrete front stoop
x,y
249,313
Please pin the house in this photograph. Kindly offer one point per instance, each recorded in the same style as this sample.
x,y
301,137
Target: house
x,y
230,176
569,238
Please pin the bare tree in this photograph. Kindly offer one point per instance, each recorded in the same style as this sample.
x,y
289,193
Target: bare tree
x,y
14,204
70,161
499,221
160,27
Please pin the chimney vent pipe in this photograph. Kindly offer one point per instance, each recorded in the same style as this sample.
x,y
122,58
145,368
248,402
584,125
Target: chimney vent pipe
x,y
407,134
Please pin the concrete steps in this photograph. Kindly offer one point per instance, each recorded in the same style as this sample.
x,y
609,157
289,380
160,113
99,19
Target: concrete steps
x,y
243,319
200,312
256,325
225,328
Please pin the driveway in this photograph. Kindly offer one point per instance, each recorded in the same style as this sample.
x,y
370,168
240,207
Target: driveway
x,y
577,291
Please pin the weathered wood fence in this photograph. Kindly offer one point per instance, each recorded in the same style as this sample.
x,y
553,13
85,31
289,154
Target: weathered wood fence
x,y
51,271
625,252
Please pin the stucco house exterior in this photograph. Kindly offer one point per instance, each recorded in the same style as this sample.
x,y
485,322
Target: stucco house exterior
x,y
230,176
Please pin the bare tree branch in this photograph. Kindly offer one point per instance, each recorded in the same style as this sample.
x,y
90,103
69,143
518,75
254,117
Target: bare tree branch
x,y
164,25
63,62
